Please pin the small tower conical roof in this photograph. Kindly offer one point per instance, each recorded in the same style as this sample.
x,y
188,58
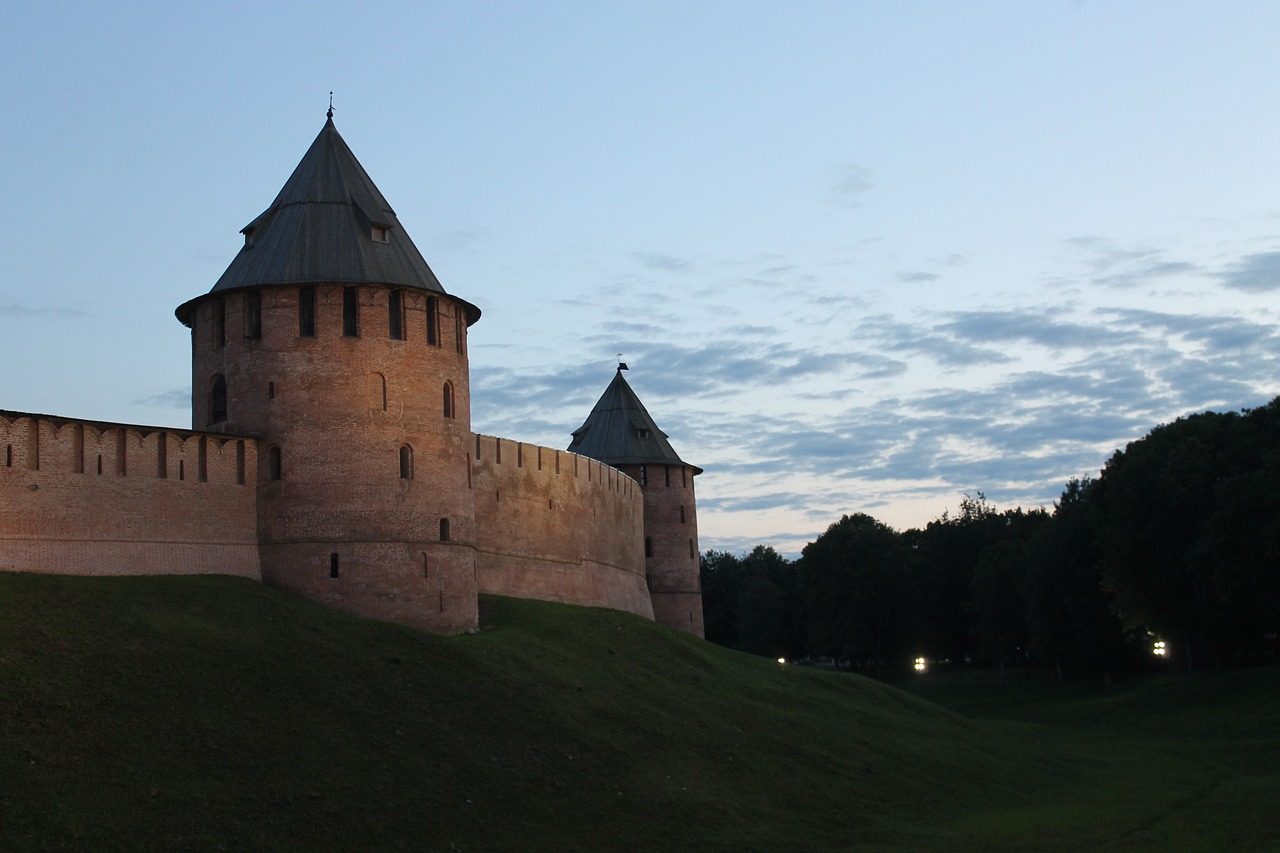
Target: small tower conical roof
x,y
328,225
620,431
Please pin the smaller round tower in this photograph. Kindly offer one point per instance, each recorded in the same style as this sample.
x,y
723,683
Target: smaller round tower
x,y
620,432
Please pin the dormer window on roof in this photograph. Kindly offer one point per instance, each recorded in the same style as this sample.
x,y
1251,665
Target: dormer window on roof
x,y
381,234
642,433
248,237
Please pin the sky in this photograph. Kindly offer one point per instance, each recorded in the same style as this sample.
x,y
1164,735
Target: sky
x,y
859,256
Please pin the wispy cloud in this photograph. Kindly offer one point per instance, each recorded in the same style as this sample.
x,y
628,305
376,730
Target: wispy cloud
x,y
14,309
847,183
178,398
1256,273
659,261
1114,265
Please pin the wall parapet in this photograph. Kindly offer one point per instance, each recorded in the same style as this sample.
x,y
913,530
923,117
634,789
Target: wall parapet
x,y
92,497
559,526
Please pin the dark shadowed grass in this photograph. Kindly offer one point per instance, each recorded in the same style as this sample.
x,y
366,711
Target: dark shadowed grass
x,y
217,714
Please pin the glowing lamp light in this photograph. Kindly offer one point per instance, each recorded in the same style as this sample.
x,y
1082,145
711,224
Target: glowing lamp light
x,y
782,660
1159,649
921,666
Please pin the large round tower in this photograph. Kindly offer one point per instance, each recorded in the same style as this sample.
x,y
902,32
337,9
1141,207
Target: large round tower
x,y
620,432
330,340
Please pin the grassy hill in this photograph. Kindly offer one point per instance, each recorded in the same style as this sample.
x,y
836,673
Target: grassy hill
x,y
211,713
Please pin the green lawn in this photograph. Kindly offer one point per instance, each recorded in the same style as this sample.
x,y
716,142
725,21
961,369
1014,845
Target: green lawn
x,y
207,713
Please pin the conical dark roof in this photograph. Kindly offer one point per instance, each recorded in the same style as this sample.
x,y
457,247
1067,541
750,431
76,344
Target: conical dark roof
x,y
329,224
619,431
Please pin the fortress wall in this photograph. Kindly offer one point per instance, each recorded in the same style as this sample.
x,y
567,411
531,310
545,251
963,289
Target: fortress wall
x,y
81,497
557,526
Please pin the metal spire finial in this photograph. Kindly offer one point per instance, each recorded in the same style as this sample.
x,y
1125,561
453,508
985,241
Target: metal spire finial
x,y
330,113
622,365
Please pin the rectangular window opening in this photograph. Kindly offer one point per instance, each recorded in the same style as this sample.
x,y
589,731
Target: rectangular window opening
x,y
395,315
77,462
307,312
219,323
350,312
253,315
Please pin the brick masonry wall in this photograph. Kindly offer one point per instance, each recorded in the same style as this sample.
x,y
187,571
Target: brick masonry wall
x,y
557,526
80,497
671,530
338,409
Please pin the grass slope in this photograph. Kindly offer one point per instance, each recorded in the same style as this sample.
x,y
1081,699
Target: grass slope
x,y
214,713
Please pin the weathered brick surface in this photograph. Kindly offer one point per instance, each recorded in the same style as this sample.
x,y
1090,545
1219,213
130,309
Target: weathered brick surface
x,y
671,528
81,497
339,409
557,526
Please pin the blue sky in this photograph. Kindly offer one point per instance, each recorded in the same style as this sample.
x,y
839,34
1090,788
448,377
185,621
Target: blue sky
x,y
861,257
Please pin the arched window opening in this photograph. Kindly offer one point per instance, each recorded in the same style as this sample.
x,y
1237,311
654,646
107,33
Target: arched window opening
x,y
333,566
648,546
682,513
218,399
444,530
395,314
377,388
449,411
307,312
350,312
406,462
692,553
274,470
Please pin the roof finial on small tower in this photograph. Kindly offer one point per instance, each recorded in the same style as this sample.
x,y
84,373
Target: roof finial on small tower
x,y
330,113
622,365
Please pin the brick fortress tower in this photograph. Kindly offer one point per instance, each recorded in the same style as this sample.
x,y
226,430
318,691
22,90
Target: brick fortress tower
x,y
620,432
331,341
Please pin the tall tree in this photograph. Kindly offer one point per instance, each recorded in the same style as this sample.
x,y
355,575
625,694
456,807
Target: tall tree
x,y
1190,532
1070,625
856,586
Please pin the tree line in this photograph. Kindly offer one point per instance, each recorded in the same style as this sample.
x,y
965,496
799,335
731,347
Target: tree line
x,y
1177,542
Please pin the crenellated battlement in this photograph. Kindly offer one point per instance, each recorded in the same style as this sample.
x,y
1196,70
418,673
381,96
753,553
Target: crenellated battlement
x,y
92,497
558,526
61,445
